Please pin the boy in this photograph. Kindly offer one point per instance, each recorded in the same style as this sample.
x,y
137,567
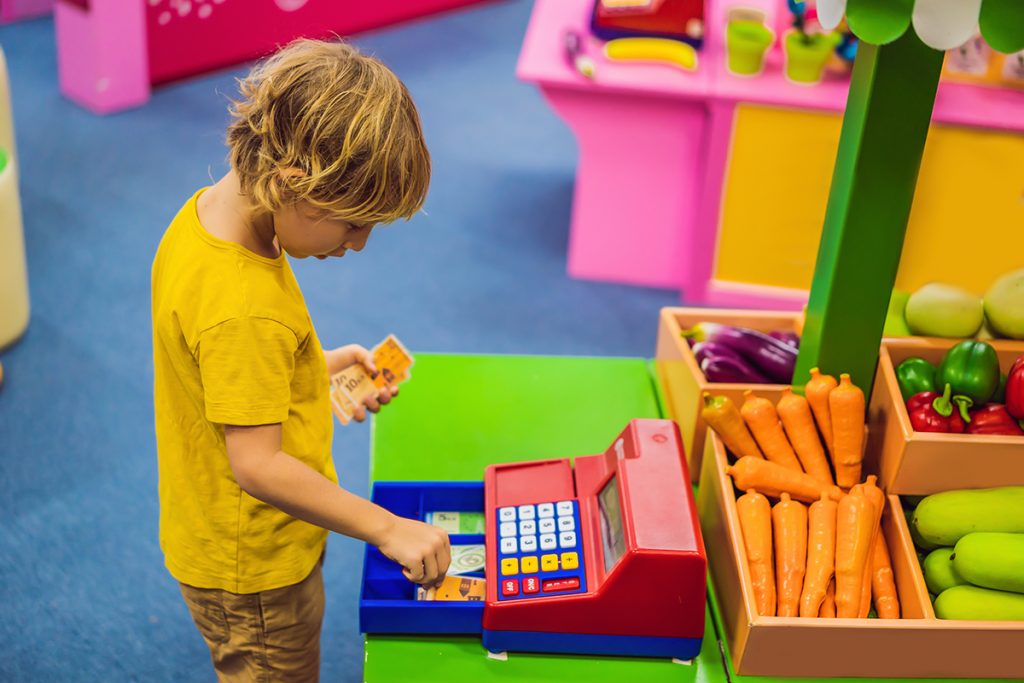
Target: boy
x,y
325,143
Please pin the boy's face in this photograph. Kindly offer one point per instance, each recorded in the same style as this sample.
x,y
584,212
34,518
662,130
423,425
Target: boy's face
x,y
301,233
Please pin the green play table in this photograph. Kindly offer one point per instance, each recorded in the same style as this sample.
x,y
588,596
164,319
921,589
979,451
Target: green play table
x,y
461,413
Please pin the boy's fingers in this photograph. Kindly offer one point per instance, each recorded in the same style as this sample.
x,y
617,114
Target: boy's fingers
x,y
443,563
384,396
366,358
359,414
430,569
415,577
372,404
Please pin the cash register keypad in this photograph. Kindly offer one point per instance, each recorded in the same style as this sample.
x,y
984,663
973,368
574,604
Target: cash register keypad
x,y
539,551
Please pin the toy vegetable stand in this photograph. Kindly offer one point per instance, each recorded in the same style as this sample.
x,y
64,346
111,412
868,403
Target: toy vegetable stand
x,y
888,112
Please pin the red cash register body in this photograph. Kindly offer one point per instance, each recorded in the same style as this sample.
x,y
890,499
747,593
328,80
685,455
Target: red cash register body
x,y
642,565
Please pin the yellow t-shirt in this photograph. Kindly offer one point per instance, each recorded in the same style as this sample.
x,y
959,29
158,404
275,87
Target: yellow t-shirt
x,y
232,344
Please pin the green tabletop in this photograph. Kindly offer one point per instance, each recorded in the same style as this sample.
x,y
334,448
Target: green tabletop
x,y
453,659
460,413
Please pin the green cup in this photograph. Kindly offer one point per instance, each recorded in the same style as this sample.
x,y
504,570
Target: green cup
x,y
746,42
806,56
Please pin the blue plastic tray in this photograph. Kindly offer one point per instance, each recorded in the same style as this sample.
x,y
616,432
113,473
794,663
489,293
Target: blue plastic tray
x,y
387,603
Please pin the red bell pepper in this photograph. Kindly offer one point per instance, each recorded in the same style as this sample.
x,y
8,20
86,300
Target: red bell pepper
x,y
932,412
993,419
1015,389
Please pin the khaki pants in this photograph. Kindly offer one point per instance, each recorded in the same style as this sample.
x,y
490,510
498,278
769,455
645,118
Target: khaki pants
x,y
267,637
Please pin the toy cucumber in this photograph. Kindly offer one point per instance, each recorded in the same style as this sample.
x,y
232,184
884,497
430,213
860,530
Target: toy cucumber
x,y
916,537
991,560
944,518
971,602
939,572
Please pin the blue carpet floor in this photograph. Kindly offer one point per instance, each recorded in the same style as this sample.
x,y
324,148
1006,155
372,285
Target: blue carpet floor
x,y
84,595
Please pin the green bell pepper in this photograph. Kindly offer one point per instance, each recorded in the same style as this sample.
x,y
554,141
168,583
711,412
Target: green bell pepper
x,y
1000,395
915,375
971,368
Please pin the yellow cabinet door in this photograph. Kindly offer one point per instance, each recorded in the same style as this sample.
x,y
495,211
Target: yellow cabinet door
x,y
966,225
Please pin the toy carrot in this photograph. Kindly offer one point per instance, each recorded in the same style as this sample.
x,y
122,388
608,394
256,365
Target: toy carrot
x,y
772,479
724,417
883,585
828,605
789,522
877,498
795,413
853,543
760,416
817,391
821,555
846,406
756,523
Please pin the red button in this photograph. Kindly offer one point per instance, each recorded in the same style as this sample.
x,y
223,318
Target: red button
x,y
510,587
531,585
556,585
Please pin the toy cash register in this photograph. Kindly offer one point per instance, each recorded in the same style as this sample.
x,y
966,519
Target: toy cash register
x,y
602,558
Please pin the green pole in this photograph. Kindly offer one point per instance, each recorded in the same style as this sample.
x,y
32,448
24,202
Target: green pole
x,y
888,111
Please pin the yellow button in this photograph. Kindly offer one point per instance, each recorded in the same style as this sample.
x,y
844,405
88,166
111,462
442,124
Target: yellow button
x,y
549,563
509,566
530,564
570,560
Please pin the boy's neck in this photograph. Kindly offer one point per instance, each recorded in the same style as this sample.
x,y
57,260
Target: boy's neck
x,y
226,214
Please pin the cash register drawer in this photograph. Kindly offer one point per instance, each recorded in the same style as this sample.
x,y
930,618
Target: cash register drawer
x,y
387,603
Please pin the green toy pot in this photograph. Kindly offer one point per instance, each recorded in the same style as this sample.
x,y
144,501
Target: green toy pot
x,y
806,56
745,44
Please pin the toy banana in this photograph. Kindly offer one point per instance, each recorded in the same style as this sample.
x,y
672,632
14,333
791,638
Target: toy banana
x,y
660,50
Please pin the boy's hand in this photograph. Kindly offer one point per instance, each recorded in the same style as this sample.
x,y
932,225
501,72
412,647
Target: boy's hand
x,y
423,550
346,356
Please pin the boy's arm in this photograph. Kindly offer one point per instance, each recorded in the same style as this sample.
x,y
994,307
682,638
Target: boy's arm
x,y
266,472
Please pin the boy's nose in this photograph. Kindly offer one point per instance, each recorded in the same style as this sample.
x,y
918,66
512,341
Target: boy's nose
x,y
358,241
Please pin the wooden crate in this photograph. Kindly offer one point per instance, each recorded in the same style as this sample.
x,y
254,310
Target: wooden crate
x,y
916,646
918,463
682,381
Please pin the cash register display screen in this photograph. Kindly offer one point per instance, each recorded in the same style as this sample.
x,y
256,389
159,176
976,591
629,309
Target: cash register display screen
x,y
613,538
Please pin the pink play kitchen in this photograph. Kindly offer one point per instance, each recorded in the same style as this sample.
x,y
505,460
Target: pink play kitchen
x,y
709,129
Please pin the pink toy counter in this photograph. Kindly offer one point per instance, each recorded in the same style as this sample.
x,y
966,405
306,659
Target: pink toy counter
x,y
715,184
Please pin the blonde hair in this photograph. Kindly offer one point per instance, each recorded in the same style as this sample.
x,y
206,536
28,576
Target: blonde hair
x,y
341,118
